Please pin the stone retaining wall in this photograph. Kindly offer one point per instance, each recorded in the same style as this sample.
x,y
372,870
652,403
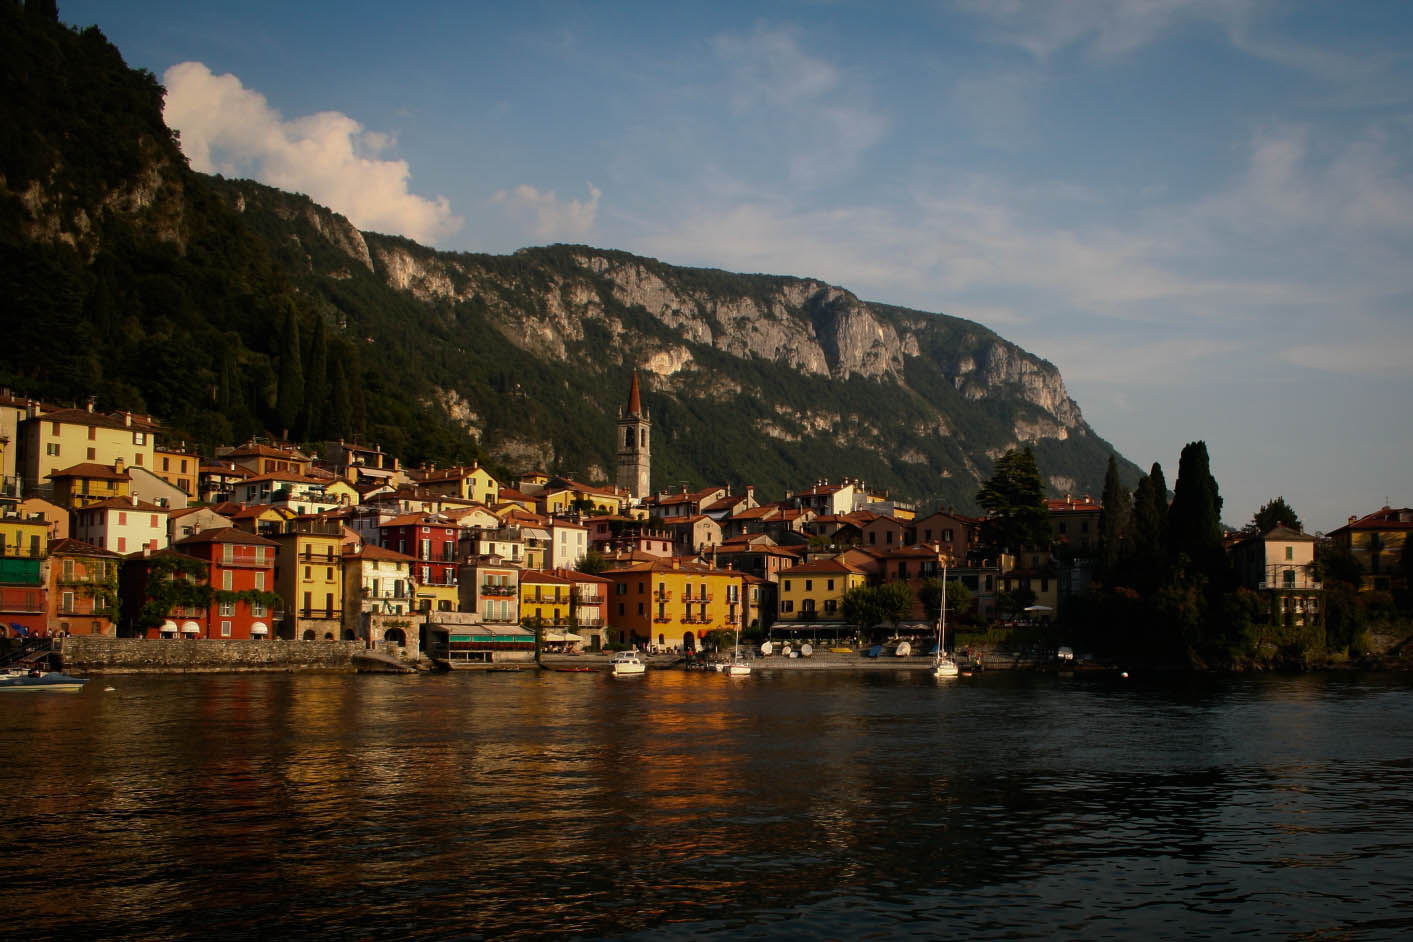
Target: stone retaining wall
x,y
142,655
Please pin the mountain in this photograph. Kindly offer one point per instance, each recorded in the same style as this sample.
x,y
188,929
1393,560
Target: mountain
x,y
230,308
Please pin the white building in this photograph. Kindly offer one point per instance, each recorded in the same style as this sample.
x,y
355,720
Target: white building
x,y
122,525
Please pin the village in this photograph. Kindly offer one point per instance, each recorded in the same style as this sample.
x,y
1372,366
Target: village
x,y
106,530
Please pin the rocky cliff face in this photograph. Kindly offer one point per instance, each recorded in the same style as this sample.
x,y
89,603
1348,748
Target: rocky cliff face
x,y
810,327
811,373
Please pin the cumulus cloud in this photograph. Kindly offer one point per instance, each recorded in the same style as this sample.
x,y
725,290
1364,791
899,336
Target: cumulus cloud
x,y
229,129
547,216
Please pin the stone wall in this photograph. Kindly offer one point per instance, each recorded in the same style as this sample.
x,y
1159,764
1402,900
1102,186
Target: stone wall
x,y
142,655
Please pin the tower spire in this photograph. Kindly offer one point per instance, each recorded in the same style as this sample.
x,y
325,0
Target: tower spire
x,y
635,401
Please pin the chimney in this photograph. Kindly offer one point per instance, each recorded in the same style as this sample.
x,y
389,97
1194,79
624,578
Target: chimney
x,y
118,466
90,404
127,418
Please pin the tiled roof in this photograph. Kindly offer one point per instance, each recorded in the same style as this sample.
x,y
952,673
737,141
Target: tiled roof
x,y
72,547
373,551
117,420
126,503
90,469
226,535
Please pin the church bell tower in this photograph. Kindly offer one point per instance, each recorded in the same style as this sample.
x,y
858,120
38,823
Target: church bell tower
x,y
634,446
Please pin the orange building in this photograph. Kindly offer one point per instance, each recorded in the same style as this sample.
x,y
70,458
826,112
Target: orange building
x,y
83,589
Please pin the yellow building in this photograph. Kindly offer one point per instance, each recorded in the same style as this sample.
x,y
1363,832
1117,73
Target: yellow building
x,y
66,437
309,577
24,535
667,603
547,597
1376,543
343,492
467,482
178,468
562,496
814,592
89,483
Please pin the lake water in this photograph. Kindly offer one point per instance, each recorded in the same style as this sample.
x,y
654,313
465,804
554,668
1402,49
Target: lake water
x,y
677,805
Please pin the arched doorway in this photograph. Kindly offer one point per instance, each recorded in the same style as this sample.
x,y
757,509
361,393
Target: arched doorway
x,y
348,635
328,636
689,641
395,636
308,634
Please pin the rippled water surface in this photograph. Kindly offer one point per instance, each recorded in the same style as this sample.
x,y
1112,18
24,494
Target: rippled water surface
x,y
674,805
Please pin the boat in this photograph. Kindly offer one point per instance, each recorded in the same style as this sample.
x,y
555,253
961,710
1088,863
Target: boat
x,y
625,663
943,665
50,681
737,666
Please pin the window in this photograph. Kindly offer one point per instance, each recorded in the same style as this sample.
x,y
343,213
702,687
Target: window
x,y
259,582
1289,578
122,518
92,453
788,605
139,438
787,585
1290,552
227,608
227,578
68,603
52,449
137,458
68,570
641,609
93,433
308,574
809,585
166,463
257,609
225,629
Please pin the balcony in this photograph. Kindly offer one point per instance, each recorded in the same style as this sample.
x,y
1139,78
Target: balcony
x,y
595,599
499,591
590,622
700,597
662,595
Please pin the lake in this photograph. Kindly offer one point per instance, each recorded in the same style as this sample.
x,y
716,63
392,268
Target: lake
x,y
680,805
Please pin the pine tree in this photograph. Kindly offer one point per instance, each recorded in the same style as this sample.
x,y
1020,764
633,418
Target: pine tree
x,y
1113,521
1276,513
1014,501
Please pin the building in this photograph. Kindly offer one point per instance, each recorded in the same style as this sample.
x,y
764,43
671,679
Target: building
x,y
309,577
465,482
547,602
1377,542
377,581
589,595
490,586
671,604
88,483
178,468
431,540
190,521
240,569
635,446
1280,565
24,550
814,592
83,589
62,438
260,458
122,524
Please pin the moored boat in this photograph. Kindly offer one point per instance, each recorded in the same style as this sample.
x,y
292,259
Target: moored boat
x,y
627,662
51,681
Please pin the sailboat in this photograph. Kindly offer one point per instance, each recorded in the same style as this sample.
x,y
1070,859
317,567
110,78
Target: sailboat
x,y
943,665
738,666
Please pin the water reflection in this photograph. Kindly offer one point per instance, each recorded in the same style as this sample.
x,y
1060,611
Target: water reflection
x,y
680,804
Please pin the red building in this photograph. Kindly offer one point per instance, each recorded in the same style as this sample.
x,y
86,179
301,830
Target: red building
x,y
83,588
237,566
430,539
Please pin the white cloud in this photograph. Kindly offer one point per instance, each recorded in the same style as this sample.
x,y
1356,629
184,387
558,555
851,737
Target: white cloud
x,y
819,119
229,129
1107,28
548,217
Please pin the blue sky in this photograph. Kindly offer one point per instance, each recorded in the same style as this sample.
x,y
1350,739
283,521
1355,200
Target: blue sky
x,y
1200,210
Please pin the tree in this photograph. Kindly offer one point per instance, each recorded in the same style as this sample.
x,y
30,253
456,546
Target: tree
x,y
1113,520
1276,513
593,563
862,608
1195,517
289,398
316,382
1014,501
895,600
959,597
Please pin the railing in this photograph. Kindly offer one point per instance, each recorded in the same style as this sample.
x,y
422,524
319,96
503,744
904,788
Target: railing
x,y
595,599
661,620
508,591
1266,584
590,622
319,613
662,595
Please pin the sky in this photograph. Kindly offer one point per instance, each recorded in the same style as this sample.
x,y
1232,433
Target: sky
x,y
1201,211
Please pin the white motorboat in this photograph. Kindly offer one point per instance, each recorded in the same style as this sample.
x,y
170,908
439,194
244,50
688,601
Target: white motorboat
x,y
35,681
627,662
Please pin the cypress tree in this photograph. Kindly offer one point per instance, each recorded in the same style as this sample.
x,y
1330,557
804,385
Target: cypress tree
x,y
1148,533
1195,518
340,404
289,397
316,385
1113,521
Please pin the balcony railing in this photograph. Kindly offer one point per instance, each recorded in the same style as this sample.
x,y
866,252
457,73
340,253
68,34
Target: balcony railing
x,y
1307,586
595,599
699,597
508,591
662,595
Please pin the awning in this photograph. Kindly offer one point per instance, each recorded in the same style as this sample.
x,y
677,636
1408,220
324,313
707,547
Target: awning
x,y
169,625
190,628
1038,609
259,628
567,636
